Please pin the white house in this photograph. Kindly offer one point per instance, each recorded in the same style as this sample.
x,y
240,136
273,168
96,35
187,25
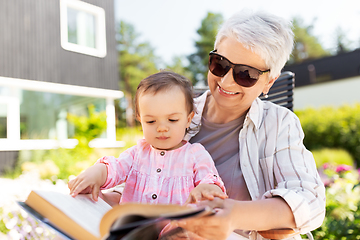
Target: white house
x,y
56,57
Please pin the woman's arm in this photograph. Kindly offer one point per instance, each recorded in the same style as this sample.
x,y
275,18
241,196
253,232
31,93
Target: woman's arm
x,y
297,180
273,213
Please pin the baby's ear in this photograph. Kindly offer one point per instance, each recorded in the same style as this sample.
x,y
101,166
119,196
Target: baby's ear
x,y
137,117
190,117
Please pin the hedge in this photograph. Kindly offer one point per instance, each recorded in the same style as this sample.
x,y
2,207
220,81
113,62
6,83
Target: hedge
x,y
330,127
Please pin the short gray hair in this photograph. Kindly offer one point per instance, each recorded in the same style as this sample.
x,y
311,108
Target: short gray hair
x,y
269,36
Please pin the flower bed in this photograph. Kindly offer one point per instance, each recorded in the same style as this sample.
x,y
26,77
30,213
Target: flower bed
x,y
15,223
342,219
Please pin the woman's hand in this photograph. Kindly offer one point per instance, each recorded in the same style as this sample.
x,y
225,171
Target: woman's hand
x,y
205,191
261,215
89,181
218,226
112,198
178,233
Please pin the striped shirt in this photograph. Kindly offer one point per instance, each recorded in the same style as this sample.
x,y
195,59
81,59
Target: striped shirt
x,y
275,162
159,176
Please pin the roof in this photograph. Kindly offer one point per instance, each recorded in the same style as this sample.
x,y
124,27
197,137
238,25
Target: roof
x,y
341,66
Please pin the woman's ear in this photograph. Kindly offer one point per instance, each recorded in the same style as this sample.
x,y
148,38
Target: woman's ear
x,y
189,118
269,84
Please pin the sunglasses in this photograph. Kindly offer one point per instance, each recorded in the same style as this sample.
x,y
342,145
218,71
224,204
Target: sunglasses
x,y
243,75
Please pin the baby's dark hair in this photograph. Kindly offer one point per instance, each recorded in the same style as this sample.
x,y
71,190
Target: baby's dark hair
x,y
164,80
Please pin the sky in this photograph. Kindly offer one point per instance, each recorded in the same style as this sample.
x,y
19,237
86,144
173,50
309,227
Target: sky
x,y
170,25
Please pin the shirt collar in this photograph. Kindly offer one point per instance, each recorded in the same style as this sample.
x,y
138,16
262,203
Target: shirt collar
x,y
199,102
255,113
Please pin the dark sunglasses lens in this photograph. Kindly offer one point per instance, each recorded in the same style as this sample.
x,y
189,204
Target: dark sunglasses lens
x,y
218,65
245,76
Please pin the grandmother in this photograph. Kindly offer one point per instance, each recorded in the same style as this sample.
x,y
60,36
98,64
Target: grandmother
x,y
271,178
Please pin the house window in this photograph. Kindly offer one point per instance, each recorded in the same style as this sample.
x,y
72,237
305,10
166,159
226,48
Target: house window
x,y
3,120
4,102
83,28
43,115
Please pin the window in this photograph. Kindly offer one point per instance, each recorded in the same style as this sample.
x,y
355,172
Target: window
x,y
82,28
34,114
4,102
3,120
44,115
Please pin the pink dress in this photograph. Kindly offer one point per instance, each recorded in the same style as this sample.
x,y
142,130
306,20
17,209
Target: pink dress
x,y
159,176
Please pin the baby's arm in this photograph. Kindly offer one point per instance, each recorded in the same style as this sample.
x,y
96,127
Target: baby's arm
x,y
89,181
205,191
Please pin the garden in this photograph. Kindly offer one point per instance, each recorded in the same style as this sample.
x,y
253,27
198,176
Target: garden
x,y
332,134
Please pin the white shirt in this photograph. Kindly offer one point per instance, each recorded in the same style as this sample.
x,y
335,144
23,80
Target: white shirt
x,y
275,162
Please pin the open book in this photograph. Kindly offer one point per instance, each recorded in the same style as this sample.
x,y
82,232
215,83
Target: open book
x,y
83,218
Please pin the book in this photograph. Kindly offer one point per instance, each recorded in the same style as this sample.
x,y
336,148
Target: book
x,y
83,218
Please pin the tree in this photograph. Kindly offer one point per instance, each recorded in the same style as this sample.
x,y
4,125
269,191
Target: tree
x,y
136,61
198,61
342,43
307,46
178,67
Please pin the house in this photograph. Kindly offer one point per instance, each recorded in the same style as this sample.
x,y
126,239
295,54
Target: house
x,y
329,81
56,57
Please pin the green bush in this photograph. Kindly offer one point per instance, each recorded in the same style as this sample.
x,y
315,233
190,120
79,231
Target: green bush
x,y
129,135
61,163
332,156
330,127
88,127
54,164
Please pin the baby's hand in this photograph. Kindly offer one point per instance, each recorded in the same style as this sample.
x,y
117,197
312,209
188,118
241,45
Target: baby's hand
x,y
89,181
205,191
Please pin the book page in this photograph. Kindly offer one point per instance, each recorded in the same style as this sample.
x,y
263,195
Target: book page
x,y
86,212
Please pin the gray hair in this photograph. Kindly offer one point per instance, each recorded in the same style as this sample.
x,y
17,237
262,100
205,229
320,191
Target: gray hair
x,y
269,36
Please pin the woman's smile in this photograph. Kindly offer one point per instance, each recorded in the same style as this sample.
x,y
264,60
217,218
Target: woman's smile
x,y
223,91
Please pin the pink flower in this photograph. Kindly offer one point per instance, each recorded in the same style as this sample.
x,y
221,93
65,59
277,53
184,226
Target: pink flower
x,y
326,165
343,168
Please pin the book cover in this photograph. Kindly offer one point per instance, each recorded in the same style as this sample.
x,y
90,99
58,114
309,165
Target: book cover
x,y
83,218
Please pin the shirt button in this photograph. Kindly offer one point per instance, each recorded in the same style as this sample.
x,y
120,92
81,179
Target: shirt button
x,y
162,153
158,170
154,196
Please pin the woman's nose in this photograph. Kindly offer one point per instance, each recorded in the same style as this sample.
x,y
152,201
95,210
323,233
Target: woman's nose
x,y
228,79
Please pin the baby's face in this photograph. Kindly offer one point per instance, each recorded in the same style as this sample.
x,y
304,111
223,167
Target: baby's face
x,y
164,118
